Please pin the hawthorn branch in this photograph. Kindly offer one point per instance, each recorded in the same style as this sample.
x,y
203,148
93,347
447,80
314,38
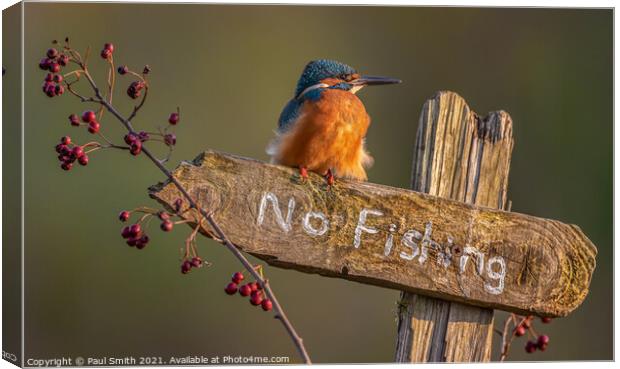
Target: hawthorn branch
x,y
208,217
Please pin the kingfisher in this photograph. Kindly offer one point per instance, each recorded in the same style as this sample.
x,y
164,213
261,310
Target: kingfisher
x,y
323,127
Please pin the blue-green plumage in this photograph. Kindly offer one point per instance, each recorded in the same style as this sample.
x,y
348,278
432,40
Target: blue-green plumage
x,y
317,70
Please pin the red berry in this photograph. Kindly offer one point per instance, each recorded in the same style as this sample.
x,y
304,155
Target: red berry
x,y
59,89
186,267
134,89
58,78
530,347
245,290
69,158
74,120
63,60
49,77
123,216
237,277
66,166
543,339
520,331
142,242
46,85
83,160
130,138
123,69
135,229
136,148
126,232
254,286
231,288
109,46
44,64
166,226
196,262
105,53
65,140
132,241
52,53
174,118
88,116
54,67
256,298
50,90
143,136
93,127
546,320
77,151
60,148
170,139
266,304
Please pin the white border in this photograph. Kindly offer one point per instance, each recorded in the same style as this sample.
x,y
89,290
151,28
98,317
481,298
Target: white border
x,y
464,3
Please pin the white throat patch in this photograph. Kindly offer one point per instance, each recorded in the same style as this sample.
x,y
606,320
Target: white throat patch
x,y
313,87
356,88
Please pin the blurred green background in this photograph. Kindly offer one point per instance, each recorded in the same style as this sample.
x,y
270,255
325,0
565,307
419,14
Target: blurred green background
x,y
231,69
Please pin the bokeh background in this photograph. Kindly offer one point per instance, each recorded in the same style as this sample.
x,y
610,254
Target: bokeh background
x,y
231,69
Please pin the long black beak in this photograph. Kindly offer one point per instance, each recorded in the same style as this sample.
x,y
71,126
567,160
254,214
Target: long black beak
x,y
374,81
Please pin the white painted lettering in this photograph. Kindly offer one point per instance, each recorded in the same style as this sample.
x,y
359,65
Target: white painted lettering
x,y
285,225
361,226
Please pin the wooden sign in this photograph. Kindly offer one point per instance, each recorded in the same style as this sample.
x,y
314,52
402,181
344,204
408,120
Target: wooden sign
x,y
391,237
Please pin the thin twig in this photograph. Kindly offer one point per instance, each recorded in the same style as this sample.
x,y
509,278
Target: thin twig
x,y
219,233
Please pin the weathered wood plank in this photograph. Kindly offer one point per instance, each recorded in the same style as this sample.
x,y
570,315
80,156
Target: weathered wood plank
x,y
460,156
514,262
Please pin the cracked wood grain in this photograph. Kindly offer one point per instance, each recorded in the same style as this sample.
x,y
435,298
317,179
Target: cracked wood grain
x,y
461,156
269,213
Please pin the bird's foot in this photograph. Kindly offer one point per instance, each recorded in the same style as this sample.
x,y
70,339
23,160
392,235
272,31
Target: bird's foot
x,y
303,173
329,178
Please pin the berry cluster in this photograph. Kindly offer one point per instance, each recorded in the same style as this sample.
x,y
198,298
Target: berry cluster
x,y
135,140
55,85
89,118
53,62
68,153
189,264
252,289
135,236
539,342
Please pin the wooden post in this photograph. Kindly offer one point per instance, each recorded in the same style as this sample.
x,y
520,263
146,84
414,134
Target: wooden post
x,y
463,157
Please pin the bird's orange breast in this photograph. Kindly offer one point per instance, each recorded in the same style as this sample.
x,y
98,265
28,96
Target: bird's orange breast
x,y
329,134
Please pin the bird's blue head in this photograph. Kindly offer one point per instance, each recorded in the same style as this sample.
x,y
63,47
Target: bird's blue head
x,y
318,71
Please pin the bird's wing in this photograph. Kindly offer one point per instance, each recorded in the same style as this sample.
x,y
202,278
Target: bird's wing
x,y
287,119
289,115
